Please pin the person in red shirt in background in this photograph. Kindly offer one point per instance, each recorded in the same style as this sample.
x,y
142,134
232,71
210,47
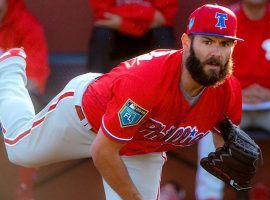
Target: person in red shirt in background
x,y
252,68
172,191
252,59
19,28
124,28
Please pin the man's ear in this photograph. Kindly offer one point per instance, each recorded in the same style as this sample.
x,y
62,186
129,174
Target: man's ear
x,y
185,41
234,43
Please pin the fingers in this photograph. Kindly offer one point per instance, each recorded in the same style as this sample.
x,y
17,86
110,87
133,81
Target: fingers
x,y
158,19
102,23
255,94
109,15
111,21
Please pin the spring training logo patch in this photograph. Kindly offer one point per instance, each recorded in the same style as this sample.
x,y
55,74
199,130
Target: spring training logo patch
x,y
131,114
191,23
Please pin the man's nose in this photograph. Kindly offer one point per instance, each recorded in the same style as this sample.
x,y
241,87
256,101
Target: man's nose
x,y
216,51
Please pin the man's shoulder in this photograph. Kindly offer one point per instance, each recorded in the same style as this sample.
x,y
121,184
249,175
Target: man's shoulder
x,y
164,52
156,61
231,84
159,54
232,80
229,91
163,58
152,69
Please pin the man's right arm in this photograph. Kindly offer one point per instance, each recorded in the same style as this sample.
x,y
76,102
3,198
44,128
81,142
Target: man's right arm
x,y
105,154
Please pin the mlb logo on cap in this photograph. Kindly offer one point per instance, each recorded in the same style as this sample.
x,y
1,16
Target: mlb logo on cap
x,y
213,20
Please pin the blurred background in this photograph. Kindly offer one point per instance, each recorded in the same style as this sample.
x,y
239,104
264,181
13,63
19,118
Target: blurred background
x,y
67,26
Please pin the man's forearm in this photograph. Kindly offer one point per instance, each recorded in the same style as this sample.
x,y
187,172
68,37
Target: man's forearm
x,y
105,154
113,170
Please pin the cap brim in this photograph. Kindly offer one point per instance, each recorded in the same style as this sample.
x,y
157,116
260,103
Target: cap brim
x,y
218,35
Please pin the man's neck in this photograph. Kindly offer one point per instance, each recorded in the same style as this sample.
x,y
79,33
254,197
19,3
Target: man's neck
x,y
253,11
191,87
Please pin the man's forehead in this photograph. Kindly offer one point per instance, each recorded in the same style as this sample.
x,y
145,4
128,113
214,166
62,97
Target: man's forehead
x,y
215,38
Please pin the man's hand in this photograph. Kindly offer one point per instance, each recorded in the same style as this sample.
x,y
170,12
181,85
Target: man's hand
x,y
112,21
237,160
105,154
158,20
255,94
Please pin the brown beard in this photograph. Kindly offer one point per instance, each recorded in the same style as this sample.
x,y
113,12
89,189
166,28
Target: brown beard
x,y
196,70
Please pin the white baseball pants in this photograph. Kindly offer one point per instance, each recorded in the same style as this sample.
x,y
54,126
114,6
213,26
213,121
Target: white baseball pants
x,y
56,133
207,185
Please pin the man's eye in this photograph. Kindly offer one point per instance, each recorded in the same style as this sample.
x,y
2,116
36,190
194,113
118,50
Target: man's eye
x,y
226,44
207,42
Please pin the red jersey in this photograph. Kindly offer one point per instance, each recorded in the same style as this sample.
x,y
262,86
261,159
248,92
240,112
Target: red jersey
x,y
19,28
137,15
140,103
252,57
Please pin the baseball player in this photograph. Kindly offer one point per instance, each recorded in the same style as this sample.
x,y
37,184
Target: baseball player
x,y
128,118
253,25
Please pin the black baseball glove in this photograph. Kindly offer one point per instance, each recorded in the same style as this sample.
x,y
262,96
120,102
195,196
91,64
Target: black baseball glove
x,y
236,162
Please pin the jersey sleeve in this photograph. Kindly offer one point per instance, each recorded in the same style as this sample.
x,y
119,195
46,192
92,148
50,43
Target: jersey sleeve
x,y
99,7
137,23
128,108
136,18
168,8
133,22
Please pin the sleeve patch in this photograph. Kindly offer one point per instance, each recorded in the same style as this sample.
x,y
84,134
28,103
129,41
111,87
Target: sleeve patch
x,y
131,114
